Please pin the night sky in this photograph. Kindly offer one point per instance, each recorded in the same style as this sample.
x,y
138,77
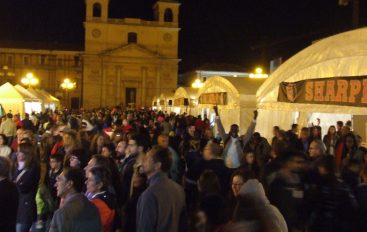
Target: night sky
x,y
241,32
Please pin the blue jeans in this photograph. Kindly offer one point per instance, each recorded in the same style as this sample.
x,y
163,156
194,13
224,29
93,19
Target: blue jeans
x,y
22,227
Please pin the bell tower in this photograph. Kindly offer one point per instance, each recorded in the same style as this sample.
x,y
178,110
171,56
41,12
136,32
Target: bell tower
x,y
166,11
97,10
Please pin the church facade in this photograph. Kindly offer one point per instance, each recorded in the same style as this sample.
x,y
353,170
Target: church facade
x,y
129,61
125,61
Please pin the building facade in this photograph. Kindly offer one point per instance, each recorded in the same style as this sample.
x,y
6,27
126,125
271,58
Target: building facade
x,y
50,67
125,61
129,61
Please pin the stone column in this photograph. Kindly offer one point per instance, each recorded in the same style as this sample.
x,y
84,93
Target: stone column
x,y
158,82
118,79
143,86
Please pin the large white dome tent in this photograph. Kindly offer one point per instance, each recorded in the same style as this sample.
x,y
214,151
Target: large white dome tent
x,y
342,55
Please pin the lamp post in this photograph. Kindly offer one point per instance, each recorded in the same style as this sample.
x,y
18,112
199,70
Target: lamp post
x,y
259,74
67,86
6,74
29,80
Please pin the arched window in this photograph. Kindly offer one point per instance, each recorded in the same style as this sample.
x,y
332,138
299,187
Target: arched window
x,y
97,10
168,15
132,37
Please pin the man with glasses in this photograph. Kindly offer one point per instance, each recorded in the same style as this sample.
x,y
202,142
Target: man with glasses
x,y
76,213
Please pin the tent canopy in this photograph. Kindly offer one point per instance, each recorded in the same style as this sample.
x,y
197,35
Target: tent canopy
x,y
240,91
185,92
24,92
341,55
8,91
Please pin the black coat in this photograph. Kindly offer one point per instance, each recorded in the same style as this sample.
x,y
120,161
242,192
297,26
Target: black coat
x,y
9,205
27,186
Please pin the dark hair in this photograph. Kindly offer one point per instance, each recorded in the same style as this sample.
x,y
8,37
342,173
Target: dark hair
x,y
305,129
276,128
209,183
101,161
340,123
215,149
162,155
327,162
294,126
76,175
5,139
29,152
58,157
9,115
4,167
101,175
245,175
140,141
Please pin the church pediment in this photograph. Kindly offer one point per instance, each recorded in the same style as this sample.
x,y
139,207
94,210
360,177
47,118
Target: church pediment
x,y
132,50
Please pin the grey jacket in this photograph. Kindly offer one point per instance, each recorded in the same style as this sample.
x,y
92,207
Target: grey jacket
x,y
77,214
226,138
161,207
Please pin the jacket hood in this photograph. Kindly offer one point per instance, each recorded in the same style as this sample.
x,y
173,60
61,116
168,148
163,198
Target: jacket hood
x,y
254,189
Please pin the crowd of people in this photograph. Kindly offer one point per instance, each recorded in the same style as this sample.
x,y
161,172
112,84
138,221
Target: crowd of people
x,y
142,170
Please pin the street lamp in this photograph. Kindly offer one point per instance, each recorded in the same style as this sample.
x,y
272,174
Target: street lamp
x,y
29,80
67,85
259,74
197,84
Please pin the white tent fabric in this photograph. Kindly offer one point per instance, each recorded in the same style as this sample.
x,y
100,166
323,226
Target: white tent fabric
x,y
53,101
192,95
341,55
14,101
241,101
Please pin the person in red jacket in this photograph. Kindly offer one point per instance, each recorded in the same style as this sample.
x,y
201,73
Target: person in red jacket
x,y
97,183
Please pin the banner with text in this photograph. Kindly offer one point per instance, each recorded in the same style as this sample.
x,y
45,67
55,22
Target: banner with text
x,y
349,91
213,98
181,101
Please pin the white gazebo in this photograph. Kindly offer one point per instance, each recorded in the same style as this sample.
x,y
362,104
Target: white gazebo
x,y
185,100
342,55
234,96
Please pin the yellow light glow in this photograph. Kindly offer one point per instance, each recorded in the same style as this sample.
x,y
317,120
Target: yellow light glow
x,y
258,73
197,84
29,80
259,70
67,84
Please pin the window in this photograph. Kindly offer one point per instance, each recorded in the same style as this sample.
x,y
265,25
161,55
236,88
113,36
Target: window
x,y
132,37
76,60
59,62
42,60
168,15
9,60
97,10
26,60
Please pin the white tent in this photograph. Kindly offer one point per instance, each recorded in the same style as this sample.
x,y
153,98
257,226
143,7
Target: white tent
x,y
240,100
50,102
16,102
166,102
341,55
34,103
186,95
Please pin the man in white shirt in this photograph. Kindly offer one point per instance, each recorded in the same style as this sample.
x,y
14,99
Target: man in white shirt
x,y
234,144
